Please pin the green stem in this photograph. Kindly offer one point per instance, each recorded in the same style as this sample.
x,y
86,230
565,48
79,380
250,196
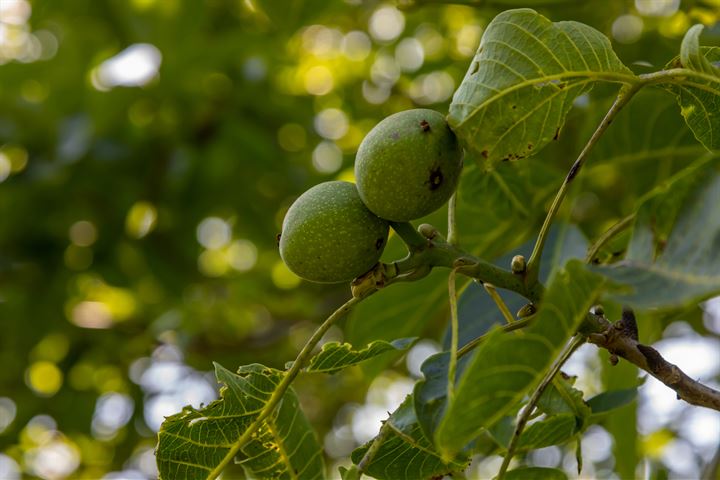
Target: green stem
x,y
279,391
409,235
452,364
437,252
490,289
374,448
626,93
500,278
452,223
516,325
605,237
528,410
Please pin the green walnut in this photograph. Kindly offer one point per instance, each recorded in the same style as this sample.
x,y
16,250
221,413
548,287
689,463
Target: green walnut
x,y
408,165
329,235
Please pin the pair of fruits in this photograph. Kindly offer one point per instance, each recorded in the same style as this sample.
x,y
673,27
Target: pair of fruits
x,y
407,166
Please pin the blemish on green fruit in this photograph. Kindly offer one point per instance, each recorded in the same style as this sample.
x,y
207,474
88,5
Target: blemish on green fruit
x,y
408,165
329,235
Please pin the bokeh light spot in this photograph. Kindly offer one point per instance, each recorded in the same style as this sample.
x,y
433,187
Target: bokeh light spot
x,y
318,80
213,263
356,46
283,278
418,354
54,460
45,378
327,157
112,411
15,12
385,71
409,54
467,40
432,88
5,167
242,255
89,314
83,233
657,8
375,94
675,26
331,123
7,415
135,66
627,28
52,347
386,24
17,156
140,219
213,233
9,469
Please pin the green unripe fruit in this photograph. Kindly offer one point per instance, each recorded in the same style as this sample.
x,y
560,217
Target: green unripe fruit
x,y
330,236
408,165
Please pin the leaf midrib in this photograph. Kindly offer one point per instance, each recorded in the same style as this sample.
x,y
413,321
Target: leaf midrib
x,y
693,279
611,77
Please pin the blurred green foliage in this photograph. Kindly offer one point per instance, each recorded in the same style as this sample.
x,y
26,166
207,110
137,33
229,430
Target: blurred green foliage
x,y
149,150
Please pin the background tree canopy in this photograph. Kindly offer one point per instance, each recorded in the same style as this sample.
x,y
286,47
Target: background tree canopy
x,y
149,150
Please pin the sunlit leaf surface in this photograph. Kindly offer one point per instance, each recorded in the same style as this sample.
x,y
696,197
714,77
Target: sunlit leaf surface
x,y
523,80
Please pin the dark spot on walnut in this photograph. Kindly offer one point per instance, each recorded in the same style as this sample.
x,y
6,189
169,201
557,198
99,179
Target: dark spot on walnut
x,y
395,136
435,179
379,243
484,154
425,126
530,146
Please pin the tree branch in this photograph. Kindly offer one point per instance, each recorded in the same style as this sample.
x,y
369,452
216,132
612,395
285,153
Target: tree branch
x,y
621,340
